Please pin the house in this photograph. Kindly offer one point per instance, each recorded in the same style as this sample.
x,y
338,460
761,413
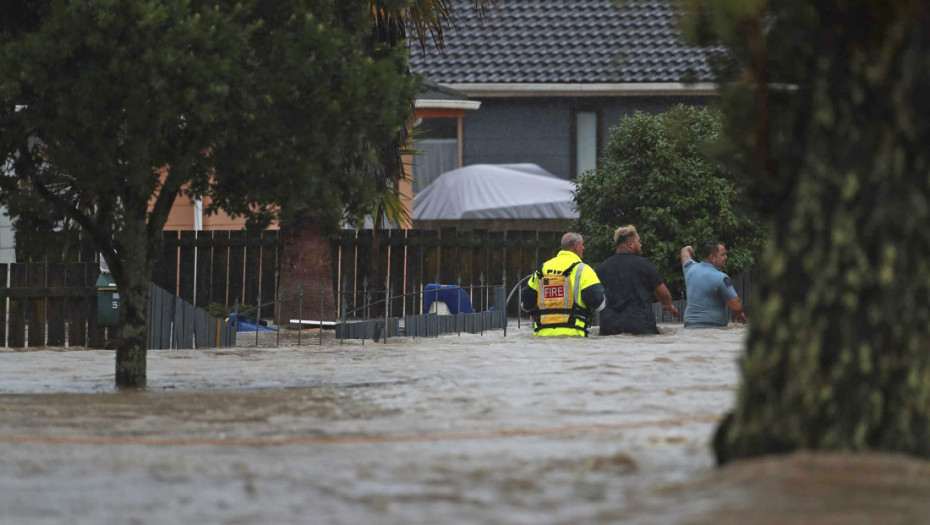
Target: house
x,y
188,214
554,76
438,120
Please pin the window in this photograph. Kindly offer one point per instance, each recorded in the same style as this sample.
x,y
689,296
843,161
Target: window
x,y
585,138
437,141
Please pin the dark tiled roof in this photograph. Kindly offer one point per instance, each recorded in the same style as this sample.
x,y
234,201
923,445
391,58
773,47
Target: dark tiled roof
x,y
564,41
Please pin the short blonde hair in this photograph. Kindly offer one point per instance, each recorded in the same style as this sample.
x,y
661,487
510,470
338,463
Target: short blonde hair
x,y
624,233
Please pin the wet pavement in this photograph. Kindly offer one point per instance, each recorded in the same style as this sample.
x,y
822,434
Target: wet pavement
x,y
456,429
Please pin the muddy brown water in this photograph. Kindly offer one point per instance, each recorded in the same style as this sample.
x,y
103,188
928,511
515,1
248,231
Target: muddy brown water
x,y
458,429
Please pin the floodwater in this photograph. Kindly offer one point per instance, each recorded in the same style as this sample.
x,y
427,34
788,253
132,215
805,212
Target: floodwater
x,y
456,429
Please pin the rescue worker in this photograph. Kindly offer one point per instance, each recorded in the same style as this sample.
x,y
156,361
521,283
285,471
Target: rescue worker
x,y
565,293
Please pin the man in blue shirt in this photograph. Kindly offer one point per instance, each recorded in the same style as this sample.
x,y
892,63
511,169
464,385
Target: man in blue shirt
x,y
709,291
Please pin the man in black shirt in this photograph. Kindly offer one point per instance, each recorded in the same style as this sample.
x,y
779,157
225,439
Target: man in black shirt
x,y
631,283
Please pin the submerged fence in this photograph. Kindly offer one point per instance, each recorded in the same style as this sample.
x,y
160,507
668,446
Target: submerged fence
x,y
56,305
234,267
373,318
222,267
175,323
49,305
410,259
369,314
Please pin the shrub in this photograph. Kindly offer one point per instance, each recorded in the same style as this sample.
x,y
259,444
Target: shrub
x,y
656,174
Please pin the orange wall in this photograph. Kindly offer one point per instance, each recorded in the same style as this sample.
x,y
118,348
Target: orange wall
x,y
181,217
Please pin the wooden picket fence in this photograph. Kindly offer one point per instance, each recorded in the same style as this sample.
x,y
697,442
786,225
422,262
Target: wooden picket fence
x,y
221,267
44,304
410,259
225,266
49,305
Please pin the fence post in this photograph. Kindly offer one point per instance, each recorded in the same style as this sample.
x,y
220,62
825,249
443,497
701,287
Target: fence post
x,y
436,296
322,305
258,317
483,289
365,308
300,311
236,318
458,312
387,300
365,297
504,313
343,309
519,301
278,311
500,303
413,309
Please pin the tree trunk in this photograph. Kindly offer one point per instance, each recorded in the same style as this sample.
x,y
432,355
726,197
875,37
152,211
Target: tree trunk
x,y
306,260
838,352
133,275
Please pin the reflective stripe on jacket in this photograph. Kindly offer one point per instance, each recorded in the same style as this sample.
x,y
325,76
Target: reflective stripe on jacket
x,y
582,276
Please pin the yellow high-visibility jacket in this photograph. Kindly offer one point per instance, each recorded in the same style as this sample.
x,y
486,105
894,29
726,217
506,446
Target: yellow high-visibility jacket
x,y
586,289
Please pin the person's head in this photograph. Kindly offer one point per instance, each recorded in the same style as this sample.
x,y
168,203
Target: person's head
x,y
573,242
628,240
713,252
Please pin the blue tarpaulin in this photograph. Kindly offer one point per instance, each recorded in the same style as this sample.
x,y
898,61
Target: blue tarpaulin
x,y
245,323
455,298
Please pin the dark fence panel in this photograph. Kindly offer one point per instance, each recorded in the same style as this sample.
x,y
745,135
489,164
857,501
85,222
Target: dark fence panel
x,y
35,312
55,313
203,268
269,269
413,258
176,323
220,267
414,265
166,269
236,282
79,275
56,305
4,268
186,264
743,283
219,288
46,303
397,271
252,272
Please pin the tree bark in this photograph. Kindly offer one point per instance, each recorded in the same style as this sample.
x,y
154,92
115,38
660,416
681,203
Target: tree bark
x,y
306,260
133,275
838,351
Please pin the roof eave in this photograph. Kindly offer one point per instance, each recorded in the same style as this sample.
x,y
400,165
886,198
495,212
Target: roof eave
x,y
447,104
504,89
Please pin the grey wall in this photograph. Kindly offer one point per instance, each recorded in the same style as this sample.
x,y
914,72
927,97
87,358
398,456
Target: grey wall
x,y
507,131
615,109
537,130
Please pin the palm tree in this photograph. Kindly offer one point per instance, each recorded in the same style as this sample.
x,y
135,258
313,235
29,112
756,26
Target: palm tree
x,y
395,21
424,20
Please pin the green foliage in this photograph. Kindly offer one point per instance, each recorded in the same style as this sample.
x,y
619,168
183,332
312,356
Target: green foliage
x,y
221,311
655,174
262,108
826,104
